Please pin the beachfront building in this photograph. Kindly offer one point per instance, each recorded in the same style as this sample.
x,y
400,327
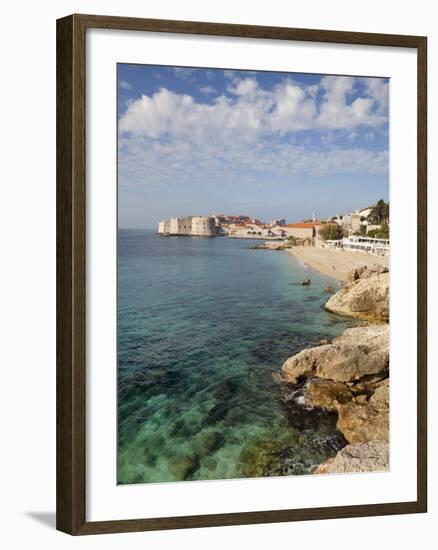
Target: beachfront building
x,y
330,243
354,243
302,230
243,231
379,247
251,231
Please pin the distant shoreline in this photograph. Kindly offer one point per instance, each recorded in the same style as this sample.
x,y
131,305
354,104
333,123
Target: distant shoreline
x,y
335,263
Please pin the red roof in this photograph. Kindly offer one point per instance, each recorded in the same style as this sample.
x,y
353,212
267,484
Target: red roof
x,y
301,225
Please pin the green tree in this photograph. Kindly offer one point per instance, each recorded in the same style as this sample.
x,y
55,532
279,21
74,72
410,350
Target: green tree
x,y
382,233
380,212
330,231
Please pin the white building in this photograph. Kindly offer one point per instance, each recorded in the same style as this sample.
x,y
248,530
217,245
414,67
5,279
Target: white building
x,y
378,247
280,221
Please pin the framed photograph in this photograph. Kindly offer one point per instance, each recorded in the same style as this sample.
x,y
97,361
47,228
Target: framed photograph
x,y
241,274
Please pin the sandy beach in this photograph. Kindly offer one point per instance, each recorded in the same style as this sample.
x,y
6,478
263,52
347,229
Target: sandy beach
x,y
336,263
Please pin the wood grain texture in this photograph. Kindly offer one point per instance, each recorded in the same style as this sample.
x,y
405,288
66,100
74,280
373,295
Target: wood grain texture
x,y
71,270
71,231
248,31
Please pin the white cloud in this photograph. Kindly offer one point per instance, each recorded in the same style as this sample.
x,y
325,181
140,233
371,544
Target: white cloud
x,y
125,85
177,115
294,109
336,112
172,137
327,139
378,90
287,108
155,162
207,90
183,72
229,73
242,87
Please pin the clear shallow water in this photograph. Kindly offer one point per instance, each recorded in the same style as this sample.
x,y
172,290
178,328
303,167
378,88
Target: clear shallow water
x,y
204,326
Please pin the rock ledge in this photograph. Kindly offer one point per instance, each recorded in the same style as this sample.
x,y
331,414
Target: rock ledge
x,y
361,457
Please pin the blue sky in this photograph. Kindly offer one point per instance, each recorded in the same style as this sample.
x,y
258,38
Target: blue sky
x,y
269,145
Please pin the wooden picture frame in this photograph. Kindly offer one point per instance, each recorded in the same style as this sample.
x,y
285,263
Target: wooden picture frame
x,y
71,273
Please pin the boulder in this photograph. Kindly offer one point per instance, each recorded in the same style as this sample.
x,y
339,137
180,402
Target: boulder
x,y
368,384
366,297
372,456
324,341
376,269
361,420
365,272
356,273
270,246
183,467
358,352
326,394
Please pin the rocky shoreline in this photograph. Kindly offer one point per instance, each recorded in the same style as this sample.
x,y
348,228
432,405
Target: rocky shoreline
x,y
349,376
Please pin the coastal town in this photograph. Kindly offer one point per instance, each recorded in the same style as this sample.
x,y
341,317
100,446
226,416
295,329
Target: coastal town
x,y
364,230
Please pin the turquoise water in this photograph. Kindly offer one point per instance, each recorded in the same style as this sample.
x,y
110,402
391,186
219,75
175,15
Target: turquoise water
x,y
204,326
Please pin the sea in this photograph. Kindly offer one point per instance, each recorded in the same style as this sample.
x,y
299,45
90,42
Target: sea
x,y
204,326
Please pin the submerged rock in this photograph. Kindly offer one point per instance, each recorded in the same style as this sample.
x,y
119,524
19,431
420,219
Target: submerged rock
x,y
216,413
306,282
259,457
208,442
366,296
372,456
356,353
210,464
182,467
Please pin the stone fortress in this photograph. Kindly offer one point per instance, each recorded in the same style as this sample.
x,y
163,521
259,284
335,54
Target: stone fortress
x,y
193,226
355,227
